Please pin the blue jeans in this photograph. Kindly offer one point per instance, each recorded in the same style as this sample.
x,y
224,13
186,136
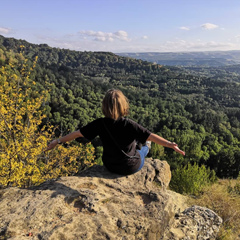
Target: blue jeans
x,y
143,153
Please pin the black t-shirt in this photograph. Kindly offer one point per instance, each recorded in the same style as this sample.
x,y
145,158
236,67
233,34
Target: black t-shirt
x,y
125,133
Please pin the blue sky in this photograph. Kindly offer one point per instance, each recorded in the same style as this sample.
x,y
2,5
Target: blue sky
x,y
124,25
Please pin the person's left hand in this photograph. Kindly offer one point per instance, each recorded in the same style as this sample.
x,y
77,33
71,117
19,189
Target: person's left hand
x,y
176,149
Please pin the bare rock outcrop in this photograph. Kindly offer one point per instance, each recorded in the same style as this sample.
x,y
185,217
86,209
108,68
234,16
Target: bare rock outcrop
x,y
99,205
195,223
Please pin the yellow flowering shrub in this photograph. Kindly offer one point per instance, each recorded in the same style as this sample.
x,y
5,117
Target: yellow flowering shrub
x,y
23,139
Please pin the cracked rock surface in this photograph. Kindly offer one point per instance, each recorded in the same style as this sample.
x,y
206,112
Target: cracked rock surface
x,y
99,205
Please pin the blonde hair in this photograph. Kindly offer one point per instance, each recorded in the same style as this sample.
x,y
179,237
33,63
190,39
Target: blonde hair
x,y
115,104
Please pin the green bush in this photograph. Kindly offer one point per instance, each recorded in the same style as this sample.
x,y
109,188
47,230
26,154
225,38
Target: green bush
x,y
98,155
191,179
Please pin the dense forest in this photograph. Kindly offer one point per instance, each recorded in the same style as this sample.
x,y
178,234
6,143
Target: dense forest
x,y
197,107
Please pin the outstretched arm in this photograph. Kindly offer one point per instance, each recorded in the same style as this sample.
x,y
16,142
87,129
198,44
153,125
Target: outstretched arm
x,y
69,137
162,141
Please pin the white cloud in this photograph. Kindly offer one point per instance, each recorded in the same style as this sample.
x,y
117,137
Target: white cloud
x,y
237,38
209,26
110,42
106,36
4,30
185,28
122,35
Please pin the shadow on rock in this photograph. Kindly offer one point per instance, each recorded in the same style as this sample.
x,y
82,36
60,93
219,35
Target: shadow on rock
x,y
59,188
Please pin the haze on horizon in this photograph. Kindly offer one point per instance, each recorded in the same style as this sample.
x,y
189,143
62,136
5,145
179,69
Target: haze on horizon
x,y
125,26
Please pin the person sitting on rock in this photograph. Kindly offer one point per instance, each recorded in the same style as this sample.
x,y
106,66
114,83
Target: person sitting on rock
x,y
119,136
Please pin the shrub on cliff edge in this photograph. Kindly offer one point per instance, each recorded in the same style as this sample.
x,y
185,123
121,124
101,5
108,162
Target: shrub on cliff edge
x,y
191,179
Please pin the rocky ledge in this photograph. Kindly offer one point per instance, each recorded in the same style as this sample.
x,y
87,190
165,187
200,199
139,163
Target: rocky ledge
x,y
99,205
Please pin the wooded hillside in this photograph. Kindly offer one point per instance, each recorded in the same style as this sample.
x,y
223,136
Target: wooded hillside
x,y
198,109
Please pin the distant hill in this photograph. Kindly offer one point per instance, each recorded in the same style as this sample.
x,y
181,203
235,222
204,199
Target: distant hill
x,y
206,59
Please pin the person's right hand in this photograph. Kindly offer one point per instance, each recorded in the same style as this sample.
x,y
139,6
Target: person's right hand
x,y
52,145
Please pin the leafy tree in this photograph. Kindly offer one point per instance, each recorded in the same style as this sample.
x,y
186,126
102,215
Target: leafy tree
x,y
23,139
156,151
